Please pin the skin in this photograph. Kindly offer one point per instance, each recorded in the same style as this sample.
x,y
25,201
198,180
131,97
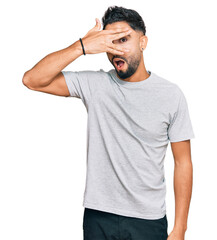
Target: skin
x,y
116,41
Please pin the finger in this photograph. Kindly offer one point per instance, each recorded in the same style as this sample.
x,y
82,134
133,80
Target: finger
x,y
120,35
113,51
118,48
117,30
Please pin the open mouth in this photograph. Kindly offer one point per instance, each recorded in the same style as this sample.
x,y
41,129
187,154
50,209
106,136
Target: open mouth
x,y
119,63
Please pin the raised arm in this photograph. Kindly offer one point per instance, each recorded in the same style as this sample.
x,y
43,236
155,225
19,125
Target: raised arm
x,y
46,75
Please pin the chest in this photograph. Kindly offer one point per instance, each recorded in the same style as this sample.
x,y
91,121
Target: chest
x,y
139,111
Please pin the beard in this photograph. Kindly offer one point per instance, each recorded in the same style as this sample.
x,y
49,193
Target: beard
x,y
132,67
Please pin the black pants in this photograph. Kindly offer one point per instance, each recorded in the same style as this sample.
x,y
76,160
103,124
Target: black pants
x,y
99,225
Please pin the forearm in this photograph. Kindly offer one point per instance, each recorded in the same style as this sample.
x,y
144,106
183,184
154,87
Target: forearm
x,y
47,68
183,180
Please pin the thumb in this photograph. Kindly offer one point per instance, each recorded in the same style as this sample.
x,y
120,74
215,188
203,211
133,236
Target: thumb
x,y
98,24
96,27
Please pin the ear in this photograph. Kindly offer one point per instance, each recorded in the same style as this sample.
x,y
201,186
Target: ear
x,y
143,42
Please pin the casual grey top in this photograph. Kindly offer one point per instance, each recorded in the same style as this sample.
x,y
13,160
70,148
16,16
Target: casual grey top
x,y
129,127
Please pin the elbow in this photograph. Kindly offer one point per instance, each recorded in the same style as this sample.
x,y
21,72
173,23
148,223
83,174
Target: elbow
x,y
27,80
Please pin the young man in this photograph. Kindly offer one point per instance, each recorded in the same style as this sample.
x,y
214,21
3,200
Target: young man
x,y
133,114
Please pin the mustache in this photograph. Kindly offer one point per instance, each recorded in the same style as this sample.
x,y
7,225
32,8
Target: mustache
x,y
116,56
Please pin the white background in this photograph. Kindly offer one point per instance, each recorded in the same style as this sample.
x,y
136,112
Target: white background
x,y
43,137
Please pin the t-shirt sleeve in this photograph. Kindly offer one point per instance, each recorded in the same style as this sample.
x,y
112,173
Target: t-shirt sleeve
x,y
180,127
76,82
81,84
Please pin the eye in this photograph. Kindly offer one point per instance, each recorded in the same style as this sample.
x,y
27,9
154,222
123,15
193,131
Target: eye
x,y
123,38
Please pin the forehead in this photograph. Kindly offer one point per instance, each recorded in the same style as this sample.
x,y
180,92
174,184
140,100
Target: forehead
x,y
114,25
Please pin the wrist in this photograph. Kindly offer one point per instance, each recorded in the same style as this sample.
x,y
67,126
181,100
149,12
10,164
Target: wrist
x,y
77,48
179,228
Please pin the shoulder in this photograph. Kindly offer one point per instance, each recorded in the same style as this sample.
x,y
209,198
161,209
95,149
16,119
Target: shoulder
x,y
170,86
157,79
90,73
90,77
169,92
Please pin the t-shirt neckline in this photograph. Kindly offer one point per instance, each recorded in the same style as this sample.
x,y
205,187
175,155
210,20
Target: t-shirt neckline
x,y
131,84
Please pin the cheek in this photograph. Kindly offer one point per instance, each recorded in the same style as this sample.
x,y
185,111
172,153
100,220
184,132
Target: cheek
x,y
109,55
132,46
135,50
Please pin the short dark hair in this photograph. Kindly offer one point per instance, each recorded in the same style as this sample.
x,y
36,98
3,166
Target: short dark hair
x,y
117,14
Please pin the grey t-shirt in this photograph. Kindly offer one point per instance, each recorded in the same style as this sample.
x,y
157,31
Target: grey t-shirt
x,y
129,127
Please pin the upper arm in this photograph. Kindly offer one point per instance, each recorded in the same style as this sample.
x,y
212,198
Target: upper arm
x,y
181,151
58,86
180,131
79,84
